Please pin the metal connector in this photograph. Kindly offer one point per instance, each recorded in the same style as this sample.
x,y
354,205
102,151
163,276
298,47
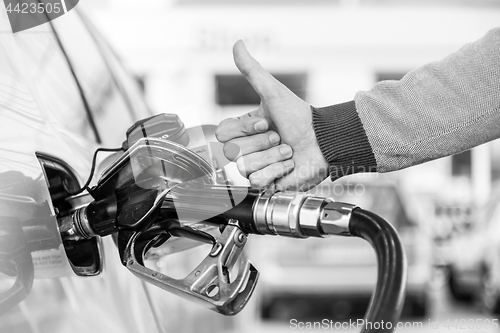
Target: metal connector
x,y
310,216
335,217
76,226
277,213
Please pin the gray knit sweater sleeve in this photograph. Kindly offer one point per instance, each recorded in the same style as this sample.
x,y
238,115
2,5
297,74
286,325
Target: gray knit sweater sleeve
x,y
437,110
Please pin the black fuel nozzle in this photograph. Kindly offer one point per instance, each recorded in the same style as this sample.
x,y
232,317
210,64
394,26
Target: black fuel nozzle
x,y
126,210
128,201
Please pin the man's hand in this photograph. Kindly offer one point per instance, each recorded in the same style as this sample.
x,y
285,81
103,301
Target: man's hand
x,y
275,143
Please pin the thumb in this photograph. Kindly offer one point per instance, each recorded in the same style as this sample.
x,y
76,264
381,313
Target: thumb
x,y
262,82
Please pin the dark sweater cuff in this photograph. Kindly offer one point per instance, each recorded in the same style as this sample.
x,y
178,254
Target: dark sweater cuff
x,y
342,140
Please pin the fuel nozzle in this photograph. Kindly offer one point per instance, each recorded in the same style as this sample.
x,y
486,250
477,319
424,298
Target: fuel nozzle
x,y
132,210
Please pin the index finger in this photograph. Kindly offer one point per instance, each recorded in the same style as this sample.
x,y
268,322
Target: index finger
x,y
233,128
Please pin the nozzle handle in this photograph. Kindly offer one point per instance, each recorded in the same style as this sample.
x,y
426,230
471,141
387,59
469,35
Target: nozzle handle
x,y
210,283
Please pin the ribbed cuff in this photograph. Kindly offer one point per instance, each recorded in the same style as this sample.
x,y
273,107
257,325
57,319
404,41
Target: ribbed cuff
x,y
342,140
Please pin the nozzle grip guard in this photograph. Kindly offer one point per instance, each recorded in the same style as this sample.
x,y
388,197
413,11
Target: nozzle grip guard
x,y
210,283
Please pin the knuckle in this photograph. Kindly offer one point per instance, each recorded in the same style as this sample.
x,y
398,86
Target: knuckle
x,y
247,129
253,166
240,164
279,170
252,178
222,129
273,155
261,142
256,180
219,134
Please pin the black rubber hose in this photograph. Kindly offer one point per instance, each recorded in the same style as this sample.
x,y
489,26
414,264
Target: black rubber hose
x,y
388,299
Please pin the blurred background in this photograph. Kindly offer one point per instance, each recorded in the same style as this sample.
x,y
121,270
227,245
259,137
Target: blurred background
x,y
326,51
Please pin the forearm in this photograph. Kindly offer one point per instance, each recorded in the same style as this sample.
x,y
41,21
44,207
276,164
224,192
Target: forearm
x,y
437,110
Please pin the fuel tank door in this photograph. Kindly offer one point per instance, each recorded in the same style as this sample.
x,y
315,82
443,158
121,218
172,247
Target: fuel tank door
x,y
85,256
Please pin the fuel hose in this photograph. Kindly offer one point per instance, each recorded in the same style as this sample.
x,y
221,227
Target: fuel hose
x,y
299,215
387,301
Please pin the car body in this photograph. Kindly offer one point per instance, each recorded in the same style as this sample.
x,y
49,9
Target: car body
x,y
474,267
63,94
339,272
